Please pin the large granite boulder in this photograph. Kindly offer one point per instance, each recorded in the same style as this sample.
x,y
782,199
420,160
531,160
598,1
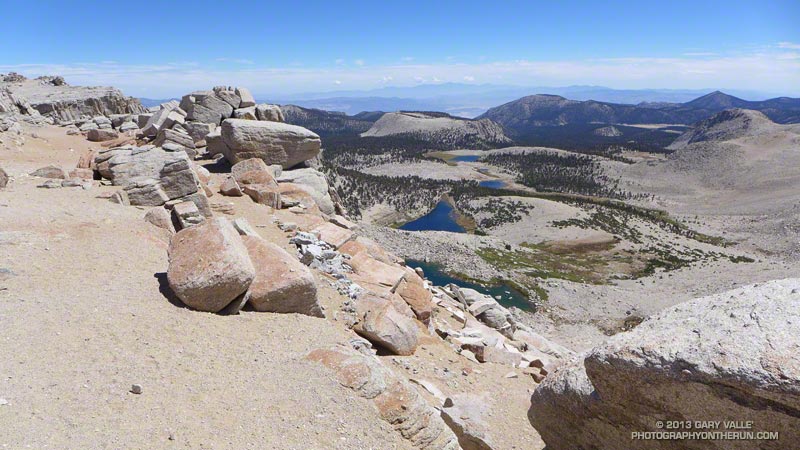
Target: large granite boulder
x,y
150,175
209,266
274,142
282,284
734,356
246,97
198,131
269,112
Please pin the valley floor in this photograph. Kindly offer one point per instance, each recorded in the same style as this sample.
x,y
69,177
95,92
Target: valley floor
x,y
600,270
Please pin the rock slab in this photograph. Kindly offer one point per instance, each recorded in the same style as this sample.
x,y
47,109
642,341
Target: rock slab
x,y
731,356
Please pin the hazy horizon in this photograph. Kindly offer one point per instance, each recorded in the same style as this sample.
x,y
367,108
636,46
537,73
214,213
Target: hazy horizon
x,y
275,50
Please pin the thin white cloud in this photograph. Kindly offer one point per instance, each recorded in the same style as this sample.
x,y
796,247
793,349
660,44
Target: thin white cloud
x,y
236,60
339,61
699,54
387,79
762,69
469,78
337,82
407,58
789,45
359,62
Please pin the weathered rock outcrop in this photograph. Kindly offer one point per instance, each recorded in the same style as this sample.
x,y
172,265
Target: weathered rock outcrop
x,y
273,142
209,266
54,98
734,356
396,400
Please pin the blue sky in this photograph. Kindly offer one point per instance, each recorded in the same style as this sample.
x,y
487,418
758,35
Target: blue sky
x,y
165,48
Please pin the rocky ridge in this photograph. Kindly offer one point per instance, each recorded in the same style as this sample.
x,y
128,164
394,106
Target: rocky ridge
x,y
59,102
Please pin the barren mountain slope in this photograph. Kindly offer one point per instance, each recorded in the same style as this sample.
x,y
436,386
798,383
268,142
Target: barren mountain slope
x,y
440,128
736,162
741,174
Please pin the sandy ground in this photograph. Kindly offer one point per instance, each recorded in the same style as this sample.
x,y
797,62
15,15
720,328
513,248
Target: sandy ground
x,y
84,314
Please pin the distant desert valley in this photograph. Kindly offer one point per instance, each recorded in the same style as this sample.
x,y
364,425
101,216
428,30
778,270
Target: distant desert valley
x,y
219,271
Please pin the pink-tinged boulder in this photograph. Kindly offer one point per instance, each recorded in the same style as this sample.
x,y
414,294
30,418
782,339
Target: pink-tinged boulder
x,y
100,135
230,188
263,194
253,171
86,160
161,218
296,195
412,290
282,284
83,174
370,247
497,355
333,235
466,415
209,265
376,271
380,322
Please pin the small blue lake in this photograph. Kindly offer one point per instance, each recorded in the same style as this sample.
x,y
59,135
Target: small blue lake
x,y
508,296
493,184
442,218
466,158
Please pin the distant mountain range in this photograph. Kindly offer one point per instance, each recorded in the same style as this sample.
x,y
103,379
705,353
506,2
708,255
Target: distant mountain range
x,y
523,115
472,100
469,100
